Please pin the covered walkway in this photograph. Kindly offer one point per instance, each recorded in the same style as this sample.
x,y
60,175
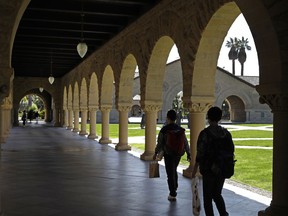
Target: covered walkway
x,y
51,171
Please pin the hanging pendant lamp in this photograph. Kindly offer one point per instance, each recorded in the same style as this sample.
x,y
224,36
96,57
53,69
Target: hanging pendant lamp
x,y
51,78
82,47
41,89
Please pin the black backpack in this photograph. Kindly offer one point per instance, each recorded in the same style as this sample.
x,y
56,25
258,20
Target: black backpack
x,y
220,152
175,141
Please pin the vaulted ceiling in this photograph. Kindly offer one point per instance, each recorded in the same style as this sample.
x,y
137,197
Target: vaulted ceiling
x,y
50,30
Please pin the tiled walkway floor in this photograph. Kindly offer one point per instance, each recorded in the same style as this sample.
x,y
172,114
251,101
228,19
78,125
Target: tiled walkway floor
x,y
46,171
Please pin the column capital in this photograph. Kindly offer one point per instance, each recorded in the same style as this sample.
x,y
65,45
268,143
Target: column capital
x,y
152,108
83,109
93,108
277,102
106,108
198,107
123,108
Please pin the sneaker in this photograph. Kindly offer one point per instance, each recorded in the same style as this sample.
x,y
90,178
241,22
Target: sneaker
x,y
171,198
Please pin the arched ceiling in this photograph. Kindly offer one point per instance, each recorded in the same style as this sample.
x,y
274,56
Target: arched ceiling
x,y
51,29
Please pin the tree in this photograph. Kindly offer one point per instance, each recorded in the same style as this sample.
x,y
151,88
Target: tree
x,y
242,46
233,53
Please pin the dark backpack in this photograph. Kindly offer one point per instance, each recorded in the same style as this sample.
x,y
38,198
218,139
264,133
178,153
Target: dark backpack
x,y
221,154
175,141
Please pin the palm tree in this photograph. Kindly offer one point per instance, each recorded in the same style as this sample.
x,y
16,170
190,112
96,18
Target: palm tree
x,y
233,53
242,45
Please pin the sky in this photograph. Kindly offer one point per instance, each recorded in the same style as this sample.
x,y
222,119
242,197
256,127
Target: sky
x,y
238,29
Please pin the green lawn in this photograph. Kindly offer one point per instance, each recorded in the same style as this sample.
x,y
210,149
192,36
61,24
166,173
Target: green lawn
x,y
251,134
253,166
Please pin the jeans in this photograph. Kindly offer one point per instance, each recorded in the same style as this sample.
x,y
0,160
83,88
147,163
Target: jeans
x,y
171,163
212,190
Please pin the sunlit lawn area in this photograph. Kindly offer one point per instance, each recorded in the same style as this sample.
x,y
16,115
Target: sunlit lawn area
x,y
253,166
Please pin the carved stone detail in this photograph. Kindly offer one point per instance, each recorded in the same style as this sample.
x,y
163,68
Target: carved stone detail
x,y
152,108
106,108
197,106
277,102
124,108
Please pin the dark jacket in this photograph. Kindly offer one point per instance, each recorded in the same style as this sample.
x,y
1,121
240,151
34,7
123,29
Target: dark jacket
x,y
203,145
162,137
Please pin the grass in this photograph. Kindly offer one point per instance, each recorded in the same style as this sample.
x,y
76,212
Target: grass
x,y
252,134
262,143
253,166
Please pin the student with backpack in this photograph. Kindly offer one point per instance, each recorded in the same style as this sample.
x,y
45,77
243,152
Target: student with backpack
x,y
172,143
215,158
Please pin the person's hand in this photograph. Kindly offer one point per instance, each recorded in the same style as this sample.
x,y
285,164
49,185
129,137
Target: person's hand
x,y
189,157
154,156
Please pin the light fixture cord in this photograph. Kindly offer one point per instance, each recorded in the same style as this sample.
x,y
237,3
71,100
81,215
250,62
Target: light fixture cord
x,y
82,17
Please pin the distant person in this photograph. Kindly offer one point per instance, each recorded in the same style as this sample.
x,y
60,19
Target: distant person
x,y
171,158
24,117
36,116
206,158
179,118
142,124
30,115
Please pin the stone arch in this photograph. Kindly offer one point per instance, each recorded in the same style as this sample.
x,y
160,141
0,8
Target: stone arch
x,y
45,96
208,51
125,93
107,87
83,94
236,108
93,91
156,71
75,102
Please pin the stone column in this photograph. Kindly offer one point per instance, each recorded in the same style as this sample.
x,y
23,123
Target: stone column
x,y
15,113
150,131
83,131
279,105
56,117
105,110
76,121
66,118
5,119
92,132
197,113
70,119
123,128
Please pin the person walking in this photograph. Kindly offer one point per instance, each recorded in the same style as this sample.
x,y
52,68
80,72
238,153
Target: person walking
x,y
171,159
24,117
212,181
36,116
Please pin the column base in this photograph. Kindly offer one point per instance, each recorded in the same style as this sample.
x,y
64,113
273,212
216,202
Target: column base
x,y
122,147
69,128
147,156
273,210
83,133
105,141
92,136
57,124
75,130
188,172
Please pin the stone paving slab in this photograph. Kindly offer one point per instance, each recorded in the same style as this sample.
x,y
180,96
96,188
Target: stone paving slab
x,y
51,171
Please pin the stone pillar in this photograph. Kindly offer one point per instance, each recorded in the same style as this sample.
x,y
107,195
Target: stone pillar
x,y
56,117
5,119
70,119
150,131
83,131
123,129
279,105
105,111
197,113
15,113
76,121
66,118
92,132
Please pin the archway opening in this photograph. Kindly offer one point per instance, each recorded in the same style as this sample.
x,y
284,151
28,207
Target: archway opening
x,y
34,107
